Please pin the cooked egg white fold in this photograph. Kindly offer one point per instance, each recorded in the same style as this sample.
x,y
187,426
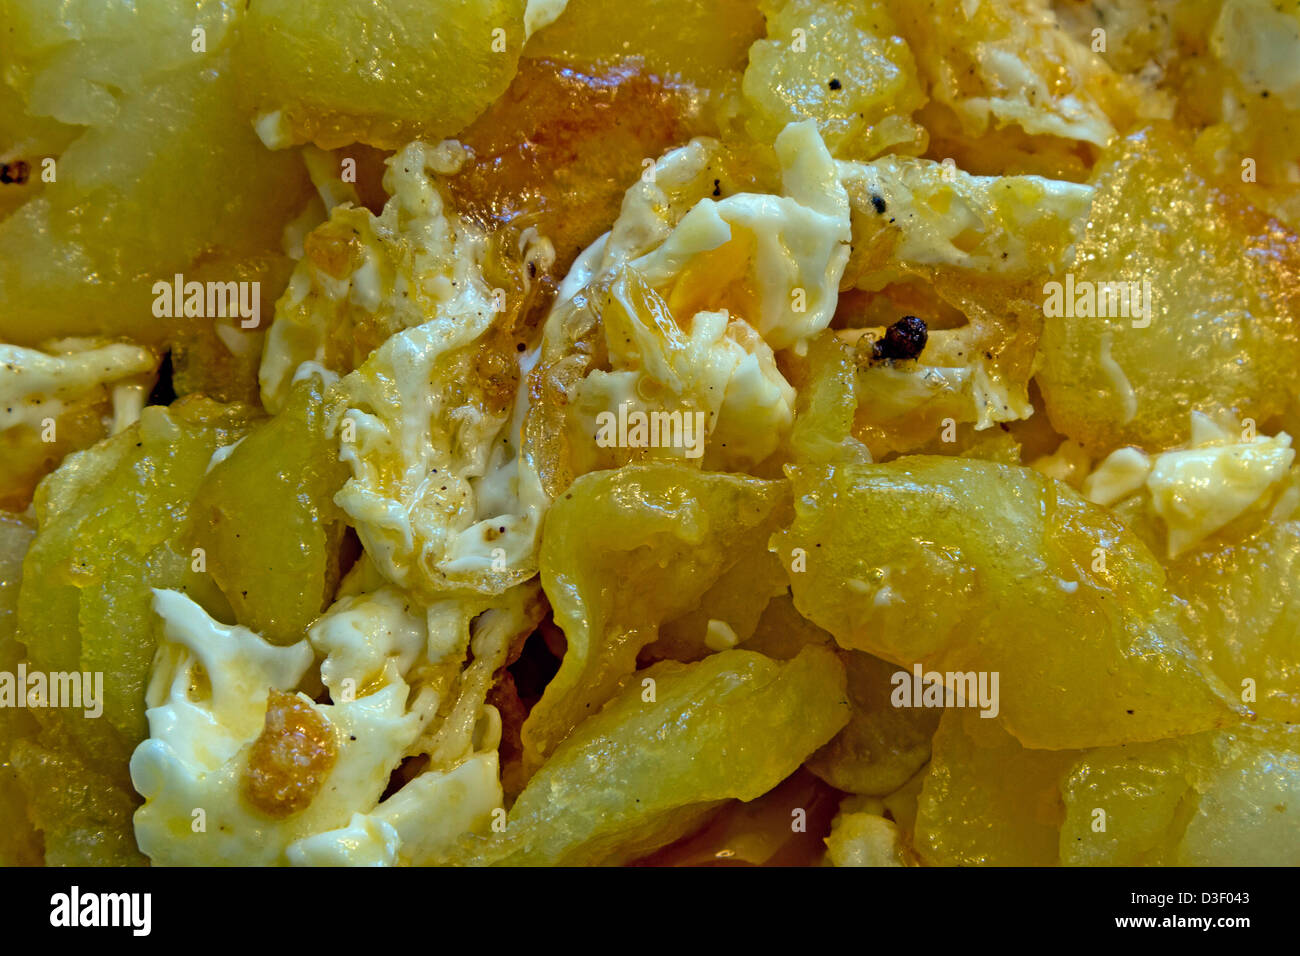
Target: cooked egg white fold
x,y
1196,489
740,277
37,385
433,412
363,842
364,277
924,213
793,246
539,14
435,494
207,701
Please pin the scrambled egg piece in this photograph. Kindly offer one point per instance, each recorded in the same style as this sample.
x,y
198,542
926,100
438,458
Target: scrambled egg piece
x,y
916,212
719,367
56,402
681,308
437,496
773,260
208,700
996,63
365,277
35,385
1199,488
432,812
363,842
861,836
978,246
400,298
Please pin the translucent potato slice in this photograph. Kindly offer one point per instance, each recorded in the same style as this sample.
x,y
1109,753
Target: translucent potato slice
x,y
670,529
650,765
840,63
347,71
1220,278
965,565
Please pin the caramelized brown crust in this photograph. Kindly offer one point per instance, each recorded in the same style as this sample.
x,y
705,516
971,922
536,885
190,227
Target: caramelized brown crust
x,y
291,759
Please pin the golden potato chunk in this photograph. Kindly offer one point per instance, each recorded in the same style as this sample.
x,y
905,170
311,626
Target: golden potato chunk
x,y
840,63
1210,319
671,529
666,751
346,71
1039,586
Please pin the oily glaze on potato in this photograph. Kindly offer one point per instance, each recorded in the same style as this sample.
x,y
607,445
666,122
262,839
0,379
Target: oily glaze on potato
x,y
20,845
702,43
1244,601
178,175
988,801
1222,798
841,64
558,149
1227,798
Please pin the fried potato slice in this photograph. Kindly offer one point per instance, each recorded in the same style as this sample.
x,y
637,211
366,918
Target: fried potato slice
x,y
266,520
20,844
841,64
76,62
760,832
675,530
1225,798
666,751
987,801
729,612
111,526
382,74
83,816
26,142
882,746
1040,586
1220,280
177,176
1220,798
1244,599
112,523
827,406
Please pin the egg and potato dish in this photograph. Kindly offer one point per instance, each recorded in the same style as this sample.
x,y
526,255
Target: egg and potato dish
x,y
530,432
